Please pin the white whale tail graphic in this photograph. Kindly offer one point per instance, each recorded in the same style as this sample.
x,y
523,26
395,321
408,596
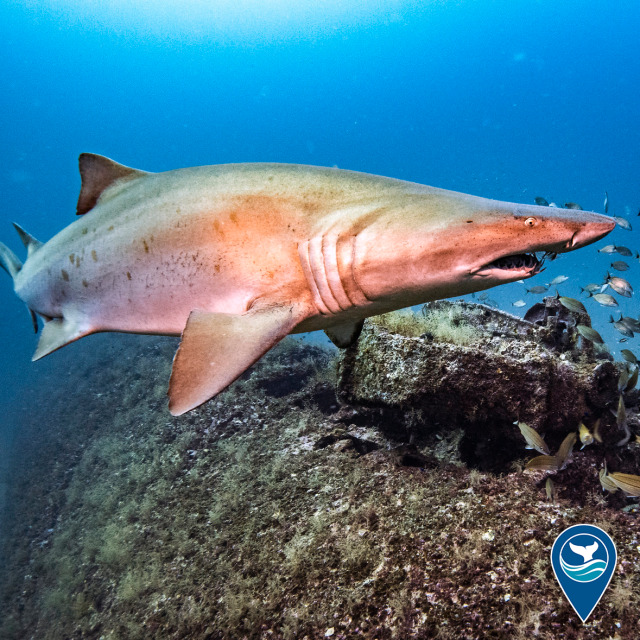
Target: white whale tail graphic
x,y
585,552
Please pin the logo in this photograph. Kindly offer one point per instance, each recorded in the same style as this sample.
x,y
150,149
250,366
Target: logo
x,y
583,558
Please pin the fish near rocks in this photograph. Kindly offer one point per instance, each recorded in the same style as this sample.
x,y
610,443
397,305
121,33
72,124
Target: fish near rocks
x,y
234,257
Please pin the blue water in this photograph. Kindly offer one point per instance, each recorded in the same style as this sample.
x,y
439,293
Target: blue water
x,y
503,99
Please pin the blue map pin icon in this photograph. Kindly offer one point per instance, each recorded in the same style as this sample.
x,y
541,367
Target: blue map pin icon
x,y
583,558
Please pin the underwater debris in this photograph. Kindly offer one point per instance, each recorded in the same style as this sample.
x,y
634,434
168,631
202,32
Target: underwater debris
x,y
359,445
515,371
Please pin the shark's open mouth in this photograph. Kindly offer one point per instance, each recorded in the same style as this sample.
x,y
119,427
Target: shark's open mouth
x,y
526,261
520,264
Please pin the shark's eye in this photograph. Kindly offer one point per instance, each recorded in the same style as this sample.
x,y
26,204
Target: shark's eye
x,y
530,222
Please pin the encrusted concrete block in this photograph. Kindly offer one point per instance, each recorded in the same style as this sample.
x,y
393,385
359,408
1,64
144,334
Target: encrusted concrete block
x,y
538,372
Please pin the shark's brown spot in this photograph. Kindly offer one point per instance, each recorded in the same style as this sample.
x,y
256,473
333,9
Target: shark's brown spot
x,y
85,231
110,228
94,255
72,257
65,275
85,283
233,217
128,275
146,246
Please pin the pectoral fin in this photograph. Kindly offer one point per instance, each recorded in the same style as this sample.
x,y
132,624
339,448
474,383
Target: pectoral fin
x,y
217,348
344,335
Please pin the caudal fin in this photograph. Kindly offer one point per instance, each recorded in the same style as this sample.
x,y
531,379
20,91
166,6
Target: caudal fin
x,y
9,261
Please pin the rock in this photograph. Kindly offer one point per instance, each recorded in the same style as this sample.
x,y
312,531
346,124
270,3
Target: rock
x,y
512,370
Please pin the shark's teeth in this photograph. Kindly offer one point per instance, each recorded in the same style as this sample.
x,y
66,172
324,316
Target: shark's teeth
x,y
519,262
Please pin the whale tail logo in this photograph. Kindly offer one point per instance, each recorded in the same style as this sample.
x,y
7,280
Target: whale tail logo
x,y
583,558
585,552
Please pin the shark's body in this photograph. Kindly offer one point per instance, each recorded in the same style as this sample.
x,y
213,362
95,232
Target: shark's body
x,y
235,257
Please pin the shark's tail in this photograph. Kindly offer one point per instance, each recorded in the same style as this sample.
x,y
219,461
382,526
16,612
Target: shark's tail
x,y
10,262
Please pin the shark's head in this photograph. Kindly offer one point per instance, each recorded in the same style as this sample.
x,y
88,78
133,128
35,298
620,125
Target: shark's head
x,y
503,241
450,244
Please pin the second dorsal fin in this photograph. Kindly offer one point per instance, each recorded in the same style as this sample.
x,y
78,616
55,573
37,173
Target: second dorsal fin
x,y
99,173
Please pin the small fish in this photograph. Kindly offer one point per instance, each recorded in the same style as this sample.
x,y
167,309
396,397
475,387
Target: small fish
x,y
627,482
483,296
518,303
533,438
623,379
606,482
543,463
620,286
621,412
539,288
558,280
621,327
550,488
624,251
610,248
623,223
591,287
572,304
629,356
620,265
625,292
606,202
586,437
596,431
621,421
589,334
632,323
572,205
564,452
633,381
541,202
604,299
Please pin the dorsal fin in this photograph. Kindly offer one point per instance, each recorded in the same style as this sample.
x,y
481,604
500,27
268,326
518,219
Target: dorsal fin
x,y
98,173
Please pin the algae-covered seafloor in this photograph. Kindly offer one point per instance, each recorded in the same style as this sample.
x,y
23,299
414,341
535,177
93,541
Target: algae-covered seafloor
x,y
276,511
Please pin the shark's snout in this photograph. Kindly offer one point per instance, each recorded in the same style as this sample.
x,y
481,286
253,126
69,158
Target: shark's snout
x,y
597,227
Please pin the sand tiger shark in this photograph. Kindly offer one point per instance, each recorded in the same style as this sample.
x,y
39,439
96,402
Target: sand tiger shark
x,y
235,257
